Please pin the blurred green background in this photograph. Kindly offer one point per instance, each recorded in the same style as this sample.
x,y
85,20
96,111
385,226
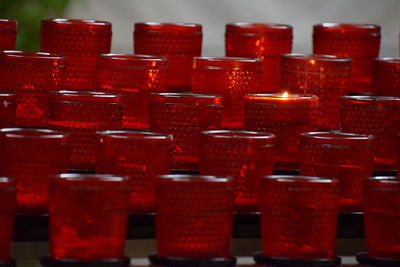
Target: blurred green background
x,y
29,13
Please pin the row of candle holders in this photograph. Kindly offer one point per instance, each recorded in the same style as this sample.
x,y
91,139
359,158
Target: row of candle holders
x,y
81,40
88,217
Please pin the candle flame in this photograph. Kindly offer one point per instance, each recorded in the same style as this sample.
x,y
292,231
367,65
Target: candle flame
x,y
285,94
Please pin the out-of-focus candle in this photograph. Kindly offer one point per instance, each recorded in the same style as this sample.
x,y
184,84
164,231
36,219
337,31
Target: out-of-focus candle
x,y
31,76
134,77
266,41
140,156
299,217
360,42
184,115
327,77
374,115
344,156
386,76
243,155
286,116
88,217
382,217
231,78
82,114
194,216
179,42
81,42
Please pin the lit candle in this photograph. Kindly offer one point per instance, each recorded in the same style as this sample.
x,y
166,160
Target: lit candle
x,y
287,116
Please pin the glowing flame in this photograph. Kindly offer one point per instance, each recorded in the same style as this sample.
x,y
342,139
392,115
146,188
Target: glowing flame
x,y
312,61
285,94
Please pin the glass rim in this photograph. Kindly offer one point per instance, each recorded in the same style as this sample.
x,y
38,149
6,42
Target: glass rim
x,y
226,62
258,26
279,96
3,94
89,177
388,60
168,26
194,178
135,135
186,95
238,134
9,22
88,94
347,26
133,57
33,56
385,179
370,98
300,178
317,57
337,136
16,133
83,23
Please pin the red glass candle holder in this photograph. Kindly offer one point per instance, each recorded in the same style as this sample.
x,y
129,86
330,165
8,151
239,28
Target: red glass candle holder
x,y
386,76
82,114
184,115
179,42
286,116
134,77
194,216
327,77
8,108
232,78
266,41
245,156
374,115
31,76
81,42
8,34
382,217
88,216
344,156
7,210
360,42
298,217
31,156
140,156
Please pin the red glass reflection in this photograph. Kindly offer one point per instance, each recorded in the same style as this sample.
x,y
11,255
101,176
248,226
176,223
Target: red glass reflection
x,y
378,116
31,76
31,156
81,42
298,217
88,216
8,34
179,42
184,115
140,156
194,216
82,114
344,156
134,77
386,76
382,217
232,78
266,41
360,42
245,156
327,77
8,108
286,116
7,210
